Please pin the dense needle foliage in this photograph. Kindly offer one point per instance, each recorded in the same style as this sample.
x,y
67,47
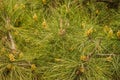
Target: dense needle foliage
x,y
59,40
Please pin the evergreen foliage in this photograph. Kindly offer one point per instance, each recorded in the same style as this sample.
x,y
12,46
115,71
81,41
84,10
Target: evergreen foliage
x,y
59,40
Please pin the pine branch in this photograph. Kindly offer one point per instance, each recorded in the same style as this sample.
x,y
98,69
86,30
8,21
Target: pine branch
x,y
9,36
11,41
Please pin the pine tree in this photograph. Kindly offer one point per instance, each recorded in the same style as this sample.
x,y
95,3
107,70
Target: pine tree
x,y
59,40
